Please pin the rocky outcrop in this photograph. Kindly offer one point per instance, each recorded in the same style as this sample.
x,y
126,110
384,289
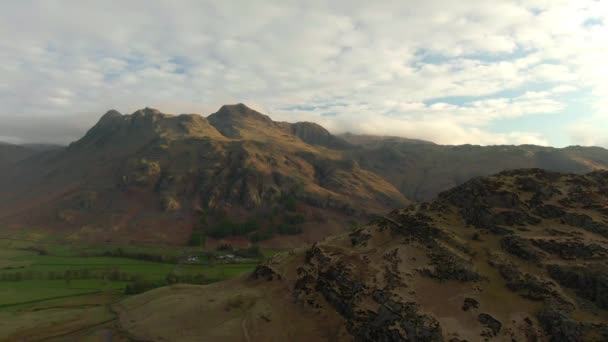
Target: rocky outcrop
x,y
469,304
560,327
527,285
395,321
548,211
445,265
590,282
571,250
492,323
265,272
484,205
585,222
390,318
520,247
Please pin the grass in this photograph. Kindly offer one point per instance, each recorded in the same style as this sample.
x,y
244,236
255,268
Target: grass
x,y
88,249
37,302
27,276
32,291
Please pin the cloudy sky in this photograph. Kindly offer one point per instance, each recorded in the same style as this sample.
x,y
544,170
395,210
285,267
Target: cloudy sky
x,y
467,71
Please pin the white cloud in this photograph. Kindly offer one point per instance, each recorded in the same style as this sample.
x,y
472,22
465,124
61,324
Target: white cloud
x,y
371,66
10,140
589,134
561,89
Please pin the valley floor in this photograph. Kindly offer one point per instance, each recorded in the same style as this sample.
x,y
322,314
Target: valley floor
x,y
58,292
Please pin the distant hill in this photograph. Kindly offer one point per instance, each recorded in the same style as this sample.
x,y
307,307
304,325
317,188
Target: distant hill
x,y
237,177
422,170
10,154
369,140
41,147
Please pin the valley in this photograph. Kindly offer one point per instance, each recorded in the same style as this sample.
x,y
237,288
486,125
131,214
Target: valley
x,y
50,290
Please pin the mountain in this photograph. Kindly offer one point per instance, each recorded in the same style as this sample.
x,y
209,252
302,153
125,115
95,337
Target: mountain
x,y
518,256
155,177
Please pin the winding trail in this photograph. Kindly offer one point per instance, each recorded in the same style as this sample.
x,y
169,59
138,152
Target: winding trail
x,y
245,331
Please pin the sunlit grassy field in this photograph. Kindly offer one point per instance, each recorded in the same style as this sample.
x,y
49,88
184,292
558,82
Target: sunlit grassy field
x,y
27,275
53,288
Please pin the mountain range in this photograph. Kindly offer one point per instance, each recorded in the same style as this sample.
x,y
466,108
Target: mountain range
x,y
237,175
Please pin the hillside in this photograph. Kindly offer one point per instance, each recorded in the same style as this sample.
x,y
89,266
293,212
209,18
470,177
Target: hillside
x,y
10,154
422,170
155,177
519,256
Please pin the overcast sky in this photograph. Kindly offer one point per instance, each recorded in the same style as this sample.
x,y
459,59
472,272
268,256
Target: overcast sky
x,y
480,72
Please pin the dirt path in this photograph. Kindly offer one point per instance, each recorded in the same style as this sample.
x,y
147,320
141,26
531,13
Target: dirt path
x,y
245,331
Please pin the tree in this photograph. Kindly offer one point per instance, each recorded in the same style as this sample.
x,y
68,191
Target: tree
x,y
290,203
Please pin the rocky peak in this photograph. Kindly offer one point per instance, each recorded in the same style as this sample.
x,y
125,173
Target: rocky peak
x,y
316,134
110,116
231,118
143,126
146,112
238,111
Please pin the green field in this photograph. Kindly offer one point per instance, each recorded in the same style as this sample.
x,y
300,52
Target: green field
x,y
37,277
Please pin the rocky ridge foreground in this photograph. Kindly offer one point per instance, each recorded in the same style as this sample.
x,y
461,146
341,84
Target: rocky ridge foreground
x,y
519,256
